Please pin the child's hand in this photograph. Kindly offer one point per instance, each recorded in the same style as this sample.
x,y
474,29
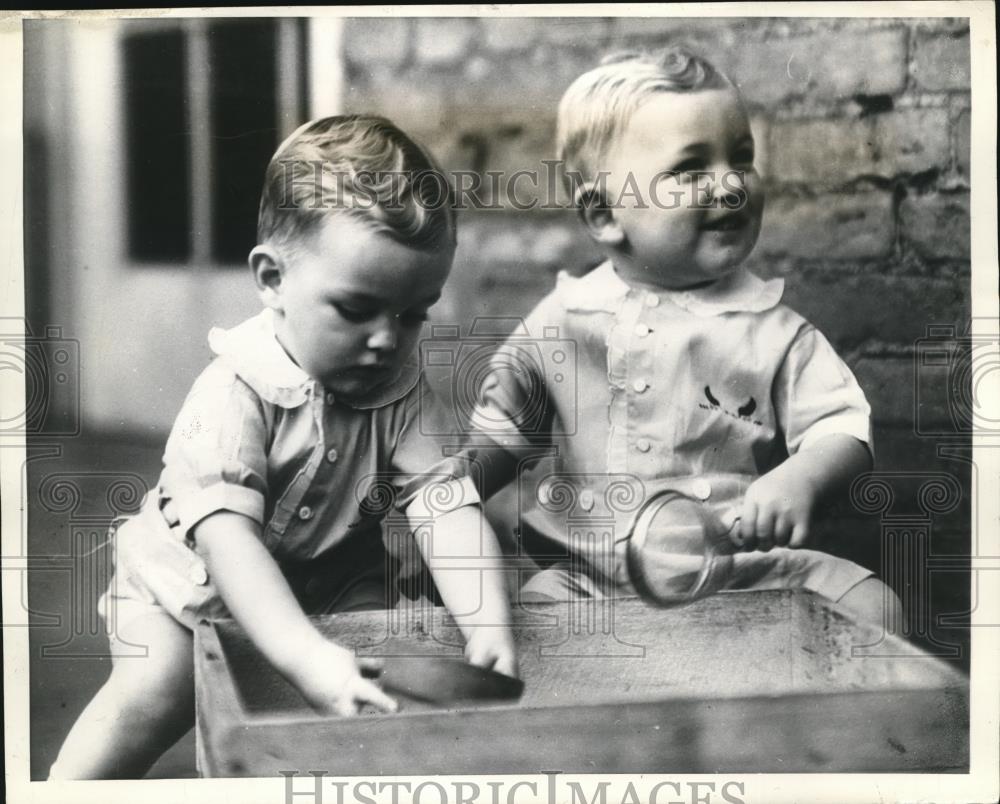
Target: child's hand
x,y
777,510
779,506
492,648
329,678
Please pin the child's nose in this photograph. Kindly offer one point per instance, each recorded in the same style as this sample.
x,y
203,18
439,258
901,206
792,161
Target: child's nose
x,y
385,335
730,187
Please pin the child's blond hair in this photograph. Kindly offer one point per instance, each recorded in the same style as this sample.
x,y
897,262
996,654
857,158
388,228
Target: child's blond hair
x,y
598,105
359,165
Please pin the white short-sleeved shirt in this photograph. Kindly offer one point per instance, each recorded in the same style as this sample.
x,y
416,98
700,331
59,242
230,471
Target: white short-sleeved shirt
x,y
259,437
637,389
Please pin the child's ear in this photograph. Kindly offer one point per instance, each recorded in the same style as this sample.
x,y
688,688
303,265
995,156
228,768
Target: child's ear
x,y
598,216
268,270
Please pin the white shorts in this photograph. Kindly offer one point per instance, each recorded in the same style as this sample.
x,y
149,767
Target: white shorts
x,y
779,568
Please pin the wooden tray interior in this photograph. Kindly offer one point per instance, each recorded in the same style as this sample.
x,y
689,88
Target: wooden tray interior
x,y
609,651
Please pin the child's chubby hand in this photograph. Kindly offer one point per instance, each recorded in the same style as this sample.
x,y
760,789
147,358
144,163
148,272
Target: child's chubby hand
x,y
329,677
492,648
777,509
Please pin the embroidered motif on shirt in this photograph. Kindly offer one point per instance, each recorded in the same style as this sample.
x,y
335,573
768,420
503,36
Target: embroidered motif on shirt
x,y
744,411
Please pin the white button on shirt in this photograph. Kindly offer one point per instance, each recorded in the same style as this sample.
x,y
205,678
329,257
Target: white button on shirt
x,y
643,445
641,330
332,455
198,575
702,489
640,385
305,512
652,300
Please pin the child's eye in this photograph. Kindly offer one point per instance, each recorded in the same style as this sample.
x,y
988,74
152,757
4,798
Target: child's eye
x,y
413,317
688,169
353,314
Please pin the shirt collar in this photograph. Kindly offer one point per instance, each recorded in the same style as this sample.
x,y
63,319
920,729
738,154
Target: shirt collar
x,y
252,351
742,291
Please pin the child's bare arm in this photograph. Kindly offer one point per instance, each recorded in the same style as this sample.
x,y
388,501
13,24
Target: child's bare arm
x,y
778,507
463,555
259,598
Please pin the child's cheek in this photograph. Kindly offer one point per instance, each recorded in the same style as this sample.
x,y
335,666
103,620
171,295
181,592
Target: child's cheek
x,y
755,195
670,193
408,341
755,186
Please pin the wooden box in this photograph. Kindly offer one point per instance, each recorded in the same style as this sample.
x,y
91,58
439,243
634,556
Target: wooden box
x,y
775,681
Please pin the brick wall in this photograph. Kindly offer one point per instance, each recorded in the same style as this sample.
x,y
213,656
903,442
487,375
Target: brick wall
x,y
863,134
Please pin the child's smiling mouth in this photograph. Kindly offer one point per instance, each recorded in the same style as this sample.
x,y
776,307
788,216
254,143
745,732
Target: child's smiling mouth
x,y
726,223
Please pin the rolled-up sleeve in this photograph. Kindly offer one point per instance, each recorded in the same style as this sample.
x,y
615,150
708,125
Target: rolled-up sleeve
x,y
816,394
216,458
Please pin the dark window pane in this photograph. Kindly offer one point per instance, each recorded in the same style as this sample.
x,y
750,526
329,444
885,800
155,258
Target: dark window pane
x,y
158,146
303,68
244,129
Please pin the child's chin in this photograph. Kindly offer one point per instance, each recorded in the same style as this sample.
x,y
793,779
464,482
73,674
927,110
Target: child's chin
x,y
725,260
720,265
362,385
